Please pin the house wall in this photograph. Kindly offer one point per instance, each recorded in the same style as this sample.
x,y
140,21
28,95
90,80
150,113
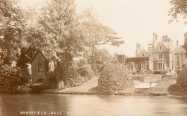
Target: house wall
x,y
138,67
178,61
39,68
161,61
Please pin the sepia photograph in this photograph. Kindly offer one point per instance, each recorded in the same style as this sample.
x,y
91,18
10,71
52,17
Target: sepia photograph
x,y
93,57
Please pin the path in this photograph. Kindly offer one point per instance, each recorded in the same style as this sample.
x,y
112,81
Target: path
x,y
82,89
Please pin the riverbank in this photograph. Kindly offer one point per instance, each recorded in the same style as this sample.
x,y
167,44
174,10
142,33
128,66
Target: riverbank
x,y
137,92
90,88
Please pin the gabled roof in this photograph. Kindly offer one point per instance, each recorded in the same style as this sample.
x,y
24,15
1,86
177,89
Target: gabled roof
x,y
29,55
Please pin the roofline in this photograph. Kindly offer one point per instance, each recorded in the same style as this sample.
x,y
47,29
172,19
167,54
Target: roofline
x,y
38,51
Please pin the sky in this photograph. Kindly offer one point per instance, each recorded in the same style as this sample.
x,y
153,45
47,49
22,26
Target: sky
x,y
134,20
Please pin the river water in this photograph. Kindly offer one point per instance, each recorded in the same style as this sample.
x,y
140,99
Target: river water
x,y
91,105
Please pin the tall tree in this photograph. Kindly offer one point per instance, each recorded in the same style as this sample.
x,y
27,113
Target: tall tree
x,y
97,34
64,34
60,36
58,23
11,27
61,28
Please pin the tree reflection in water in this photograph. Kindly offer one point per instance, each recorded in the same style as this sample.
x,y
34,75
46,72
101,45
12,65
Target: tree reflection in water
x,y
90,105
13,105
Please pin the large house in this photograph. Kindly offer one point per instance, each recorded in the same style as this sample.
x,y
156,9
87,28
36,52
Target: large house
x,y
162,56
178,58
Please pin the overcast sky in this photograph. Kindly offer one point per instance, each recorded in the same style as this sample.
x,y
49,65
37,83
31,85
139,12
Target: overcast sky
x,y
134,20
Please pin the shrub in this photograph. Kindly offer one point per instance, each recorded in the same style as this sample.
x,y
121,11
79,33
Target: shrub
x,y
10,78
80,75
182,77
113,78
176,89
86,71
180,88
71,74
64,75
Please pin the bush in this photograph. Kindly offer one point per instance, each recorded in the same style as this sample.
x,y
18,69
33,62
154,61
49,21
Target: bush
x,y
176,89
81,75
182,77
10,78
113,78
180,88
64,75
86,72
71,74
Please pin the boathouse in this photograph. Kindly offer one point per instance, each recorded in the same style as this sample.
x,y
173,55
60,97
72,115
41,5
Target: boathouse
x,y
37,62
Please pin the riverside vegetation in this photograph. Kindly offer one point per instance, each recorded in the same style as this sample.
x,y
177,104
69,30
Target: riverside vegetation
x,y
57,29
59,32
180,88
113,78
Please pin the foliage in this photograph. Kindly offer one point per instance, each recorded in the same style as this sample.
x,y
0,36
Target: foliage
x,y
179,7
96,32
60,32
63,30
73,75
85,72
177,89
182,77
112,79
58,26
180,88
101,57
10,78
65,72
12,26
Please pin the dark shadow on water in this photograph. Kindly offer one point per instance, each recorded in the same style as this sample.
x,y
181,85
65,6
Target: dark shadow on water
x,y
13,105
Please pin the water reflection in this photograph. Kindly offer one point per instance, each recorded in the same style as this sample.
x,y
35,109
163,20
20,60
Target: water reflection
x,y
83,105
12,105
